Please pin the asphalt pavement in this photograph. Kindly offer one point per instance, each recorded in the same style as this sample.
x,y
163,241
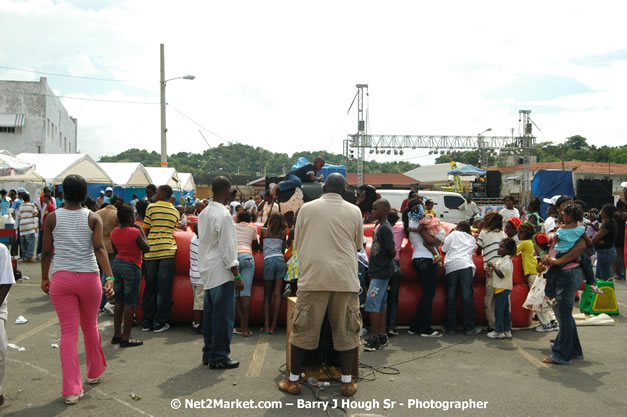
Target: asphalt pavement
x,y
455,375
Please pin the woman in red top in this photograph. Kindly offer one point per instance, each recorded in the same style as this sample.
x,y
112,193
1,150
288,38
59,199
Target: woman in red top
x,y
129,242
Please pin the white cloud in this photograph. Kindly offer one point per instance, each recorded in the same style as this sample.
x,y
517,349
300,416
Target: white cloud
x,y
281,74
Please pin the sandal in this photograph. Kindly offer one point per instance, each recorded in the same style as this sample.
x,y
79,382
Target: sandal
x,y
247,334
549,360
237,331
265,331
130,343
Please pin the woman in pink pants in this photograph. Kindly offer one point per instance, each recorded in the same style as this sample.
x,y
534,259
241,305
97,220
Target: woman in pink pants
x,y
75,234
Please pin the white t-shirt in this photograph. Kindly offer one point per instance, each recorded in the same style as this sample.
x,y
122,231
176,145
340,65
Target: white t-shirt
x,y
508,214
459,248
417,242
6,276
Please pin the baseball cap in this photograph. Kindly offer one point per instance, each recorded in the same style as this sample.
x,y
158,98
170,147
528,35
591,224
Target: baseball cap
x,y
21,190
109,189
623,184
551,200
541,239
101,192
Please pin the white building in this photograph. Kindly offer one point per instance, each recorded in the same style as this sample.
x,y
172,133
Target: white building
x,y
33,119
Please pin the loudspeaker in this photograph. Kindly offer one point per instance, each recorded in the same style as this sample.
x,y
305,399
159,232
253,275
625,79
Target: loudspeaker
x,y
595,193
493,178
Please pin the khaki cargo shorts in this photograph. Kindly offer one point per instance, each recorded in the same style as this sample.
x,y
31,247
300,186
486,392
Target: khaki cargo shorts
x,y
308,316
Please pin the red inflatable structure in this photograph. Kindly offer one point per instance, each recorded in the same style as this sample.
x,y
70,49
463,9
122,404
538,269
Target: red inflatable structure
x,y
409,295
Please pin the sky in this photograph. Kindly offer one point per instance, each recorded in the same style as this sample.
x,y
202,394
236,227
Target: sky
x,y
282,74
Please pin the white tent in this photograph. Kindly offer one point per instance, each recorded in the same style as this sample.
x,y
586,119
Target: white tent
x,y
187,181
55,167
437,173
163,176
127,174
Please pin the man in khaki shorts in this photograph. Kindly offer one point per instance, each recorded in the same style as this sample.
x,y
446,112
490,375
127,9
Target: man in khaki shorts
x,y
328,234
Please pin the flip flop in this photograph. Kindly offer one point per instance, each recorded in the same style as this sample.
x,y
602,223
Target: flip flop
x,y
250,332
550,361
237,331
265,331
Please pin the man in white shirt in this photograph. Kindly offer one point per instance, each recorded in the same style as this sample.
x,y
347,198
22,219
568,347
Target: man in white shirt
x,y
459,269
470,209
218,267
6,282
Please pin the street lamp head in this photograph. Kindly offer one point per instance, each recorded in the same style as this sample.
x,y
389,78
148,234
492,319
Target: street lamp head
x,y
487,130
189,77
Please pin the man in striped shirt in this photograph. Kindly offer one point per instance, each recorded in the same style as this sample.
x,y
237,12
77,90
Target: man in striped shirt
x,y
159,224
29,225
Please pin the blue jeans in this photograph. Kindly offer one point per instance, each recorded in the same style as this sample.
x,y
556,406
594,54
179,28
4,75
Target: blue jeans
x,y
377,300
291,182
461,279
428,274
157,299
128,278
395,283
566,346
28,245
247,271
503,319
605,260
218,316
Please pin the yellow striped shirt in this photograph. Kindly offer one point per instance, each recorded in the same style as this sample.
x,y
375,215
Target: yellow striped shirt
x,y
160,221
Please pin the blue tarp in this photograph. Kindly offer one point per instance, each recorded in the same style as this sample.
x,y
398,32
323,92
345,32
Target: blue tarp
x,y
548,183
467,170
326,170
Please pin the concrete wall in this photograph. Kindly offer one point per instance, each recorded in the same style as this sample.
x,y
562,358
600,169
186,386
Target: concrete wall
x,y
47,126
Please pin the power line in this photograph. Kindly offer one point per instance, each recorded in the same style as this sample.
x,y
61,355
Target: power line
x,y
82,98
197,124
82,77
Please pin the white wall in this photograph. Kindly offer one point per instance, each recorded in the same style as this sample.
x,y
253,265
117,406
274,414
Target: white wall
x,y
46,119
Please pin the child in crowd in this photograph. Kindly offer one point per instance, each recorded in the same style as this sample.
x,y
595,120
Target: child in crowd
x,y
509,210
501,272
511,228
397,275
488,244
566,237
593,223
129,242
429,208
274,268
381,267
197,284
543,309
247,241
432,224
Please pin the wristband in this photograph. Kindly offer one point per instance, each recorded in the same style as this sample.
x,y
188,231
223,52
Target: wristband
x,y
110,279
238,276
542,253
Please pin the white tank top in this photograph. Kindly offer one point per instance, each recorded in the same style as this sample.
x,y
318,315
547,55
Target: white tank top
x,y
73,247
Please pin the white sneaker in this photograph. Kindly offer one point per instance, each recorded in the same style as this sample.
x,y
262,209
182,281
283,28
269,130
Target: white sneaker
x,y
548,327
93,381
508,334
162,328
73,399
495,335
109,307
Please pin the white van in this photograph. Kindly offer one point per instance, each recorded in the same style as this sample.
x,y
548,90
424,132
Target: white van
x,y
446,204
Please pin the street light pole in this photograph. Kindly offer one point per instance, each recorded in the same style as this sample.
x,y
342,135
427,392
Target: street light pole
x,y
163,82
164,153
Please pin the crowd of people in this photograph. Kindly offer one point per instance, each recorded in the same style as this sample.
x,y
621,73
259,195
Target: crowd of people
x,y
102,247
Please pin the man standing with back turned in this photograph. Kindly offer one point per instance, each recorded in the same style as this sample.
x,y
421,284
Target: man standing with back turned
x,y
218,267
328,234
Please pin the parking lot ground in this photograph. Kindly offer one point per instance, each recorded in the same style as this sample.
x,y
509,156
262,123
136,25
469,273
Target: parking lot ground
x,y
506,376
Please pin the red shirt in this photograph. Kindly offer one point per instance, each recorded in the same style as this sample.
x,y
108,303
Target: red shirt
x,y
49,209
125,241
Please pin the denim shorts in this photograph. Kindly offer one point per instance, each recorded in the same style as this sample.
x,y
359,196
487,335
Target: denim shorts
x,y
128,277
377,296
274,267
247,271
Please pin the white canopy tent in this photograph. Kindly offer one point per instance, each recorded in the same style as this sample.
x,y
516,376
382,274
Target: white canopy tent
x,y
163,176
55,167
187,181
127,174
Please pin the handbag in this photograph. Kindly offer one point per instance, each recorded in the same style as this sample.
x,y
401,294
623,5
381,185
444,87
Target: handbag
x,y
293,270
536,301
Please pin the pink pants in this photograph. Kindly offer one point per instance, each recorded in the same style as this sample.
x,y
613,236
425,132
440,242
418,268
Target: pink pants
x,y
76,297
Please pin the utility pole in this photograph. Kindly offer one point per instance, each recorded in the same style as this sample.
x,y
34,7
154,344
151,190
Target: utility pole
x,y
164,150
359,140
